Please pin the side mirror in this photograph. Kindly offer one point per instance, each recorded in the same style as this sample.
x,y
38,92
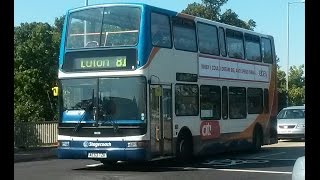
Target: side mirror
x,y
55,91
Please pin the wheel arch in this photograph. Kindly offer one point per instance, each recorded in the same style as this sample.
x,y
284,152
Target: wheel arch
x,y
257,142
258,127
184,131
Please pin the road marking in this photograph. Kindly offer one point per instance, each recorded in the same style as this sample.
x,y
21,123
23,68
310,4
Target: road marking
x,y
269,155
94,165
271,159
239,170
192,168
235,170
287,144
230,162
255,171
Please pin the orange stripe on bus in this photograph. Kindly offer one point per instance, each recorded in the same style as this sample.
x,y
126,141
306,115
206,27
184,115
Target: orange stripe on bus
x,y
154,51
262,119
273,89
247,133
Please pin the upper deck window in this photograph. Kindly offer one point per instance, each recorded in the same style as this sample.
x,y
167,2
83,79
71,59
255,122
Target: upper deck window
x,y
222,42
253,50
99,27
184,34
160,30
235,44
266,50
208,39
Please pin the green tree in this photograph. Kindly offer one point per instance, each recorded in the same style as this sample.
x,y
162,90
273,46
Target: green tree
x,y
296,76
58,24
36,48
281,80
282,91
296,85
211,9
232,18
296,93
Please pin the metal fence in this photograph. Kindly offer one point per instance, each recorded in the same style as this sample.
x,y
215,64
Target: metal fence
x,y
35,134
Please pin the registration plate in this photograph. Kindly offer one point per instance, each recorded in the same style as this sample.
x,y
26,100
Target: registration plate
x,y
286,131
97,155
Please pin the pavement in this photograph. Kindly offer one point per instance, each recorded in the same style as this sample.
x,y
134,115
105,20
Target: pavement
x,y
34,154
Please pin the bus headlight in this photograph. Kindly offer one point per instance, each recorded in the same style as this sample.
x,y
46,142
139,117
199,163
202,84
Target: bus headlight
x,y
64,143
138,144
132,144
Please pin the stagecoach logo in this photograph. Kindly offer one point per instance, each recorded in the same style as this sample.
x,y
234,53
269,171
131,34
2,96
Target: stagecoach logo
x,y
96,144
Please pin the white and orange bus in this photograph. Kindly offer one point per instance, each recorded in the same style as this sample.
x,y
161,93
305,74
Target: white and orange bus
x,y
139,83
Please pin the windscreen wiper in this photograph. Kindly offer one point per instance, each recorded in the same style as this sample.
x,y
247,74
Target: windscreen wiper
x,y
108,112
86,109
113,122
96,112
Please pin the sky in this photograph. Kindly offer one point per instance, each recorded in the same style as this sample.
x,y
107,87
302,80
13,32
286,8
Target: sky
x,y
270,17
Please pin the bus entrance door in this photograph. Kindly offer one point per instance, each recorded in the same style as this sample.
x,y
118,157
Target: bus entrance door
x,y
161,119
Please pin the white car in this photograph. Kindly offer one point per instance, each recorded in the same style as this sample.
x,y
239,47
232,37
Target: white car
x,y
298,172
291,123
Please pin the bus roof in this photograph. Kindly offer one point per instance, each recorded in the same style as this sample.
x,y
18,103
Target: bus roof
x,y
170,12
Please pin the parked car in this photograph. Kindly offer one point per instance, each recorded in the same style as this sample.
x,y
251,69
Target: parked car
x,y
298,172
291,123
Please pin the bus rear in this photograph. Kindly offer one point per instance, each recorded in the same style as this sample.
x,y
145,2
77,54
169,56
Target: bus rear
x,y
102,97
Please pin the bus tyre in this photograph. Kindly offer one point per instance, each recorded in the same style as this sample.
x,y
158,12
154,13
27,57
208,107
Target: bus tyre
x,y
256,139
184,147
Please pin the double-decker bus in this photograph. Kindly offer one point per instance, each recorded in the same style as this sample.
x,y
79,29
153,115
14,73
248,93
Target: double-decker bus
x,y
139,83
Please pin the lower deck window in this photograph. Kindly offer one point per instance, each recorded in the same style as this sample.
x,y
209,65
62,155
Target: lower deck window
x,y
186,100
255,100
210,102
237,103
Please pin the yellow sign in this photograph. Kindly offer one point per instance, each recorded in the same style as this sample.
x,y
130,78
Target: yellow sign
x,y
55,91
158,91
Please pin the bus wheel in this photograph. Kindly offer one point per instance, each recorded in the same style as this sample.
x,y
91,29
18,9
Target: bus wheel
x,y
184,147
257,139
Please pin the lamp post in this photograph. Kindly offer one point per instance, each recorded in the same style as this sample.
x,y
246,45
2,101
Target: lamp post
x,y
85,28
287,74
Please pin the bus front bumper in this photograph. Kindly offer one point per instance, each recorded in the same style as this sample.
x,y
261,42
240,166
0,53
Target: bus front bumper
x,y
109,154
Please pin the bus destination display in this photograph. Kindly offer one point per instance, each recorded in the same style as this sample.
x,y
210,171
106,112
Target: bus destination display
x,y
112,62
100,60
